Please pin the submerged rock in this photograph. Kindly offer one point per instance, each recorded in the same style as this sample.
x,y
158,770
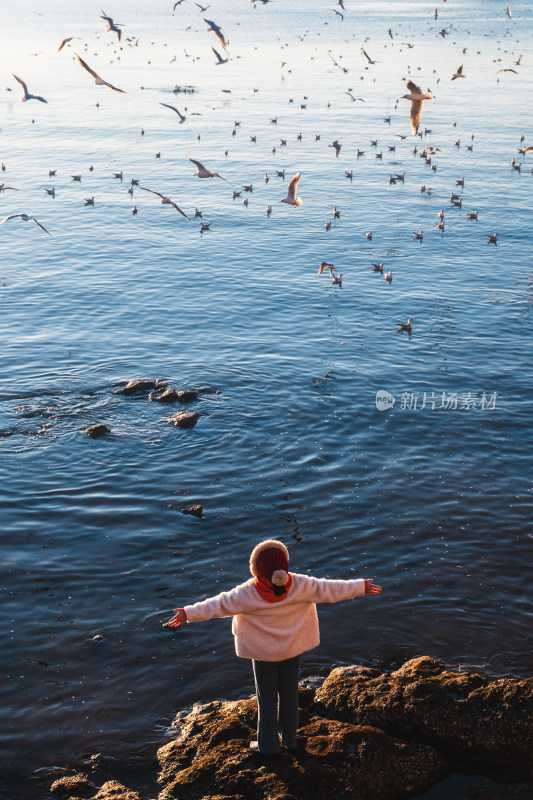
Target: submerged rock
x,y
134,386
168,396
187,419
187,395
196,510
95,431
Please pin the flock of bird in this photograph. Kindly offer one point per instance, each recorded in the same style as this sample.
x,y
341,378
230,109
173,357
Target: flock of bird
x,y
416,96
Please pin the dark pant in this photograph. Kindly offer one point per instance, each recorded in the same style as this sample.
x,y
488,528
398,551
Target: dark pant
x,y
273,680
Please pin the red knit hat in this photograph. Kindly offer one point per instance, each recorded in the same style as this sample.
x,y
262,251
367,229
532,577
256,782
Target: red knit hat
x,y
270,560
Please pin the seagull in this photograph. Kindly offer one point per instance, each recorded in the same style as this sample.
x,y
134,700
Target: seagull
x,y
205,173
166,201
378,267
370,61
326,265
182,117
90,201
458,74
369,236
97,79
111,26
492,239
64,42
291,198
26,218
338,14
509,11
388,277
219,60
337,145
353,99
419,235
337,279
417,98
27,96
4,188
406,326
507,70
218,33
472,215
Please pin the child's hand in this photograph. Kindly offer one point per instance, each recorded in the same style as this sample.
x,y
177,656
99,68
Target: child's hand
x,y
370,587
178,619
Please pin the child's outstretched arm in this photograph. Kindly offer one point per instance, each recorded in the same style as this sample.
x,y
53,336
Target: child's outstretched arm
x,y
178,619
371,587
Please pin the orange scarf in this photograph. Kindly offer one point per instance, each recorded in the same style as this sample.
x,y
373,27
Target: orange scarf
x,y
270,592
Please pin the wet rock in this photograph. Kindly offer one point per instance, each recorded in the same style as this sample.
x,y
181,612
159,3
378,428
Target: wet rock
x,y
95,431
135,386
187,419
196,511
463,714
168,396
73,785
517,791
187,395
113,790
333,760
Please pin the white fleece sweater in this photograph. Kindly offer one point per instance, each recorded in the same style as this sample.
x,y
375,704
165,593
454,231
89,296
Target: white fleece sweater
x,y
275,631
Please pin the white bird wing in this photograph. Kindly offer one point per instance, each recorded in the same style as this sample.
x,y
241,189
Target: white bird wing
x,y
173,109
183,214
41,226
162,196
25,88
197,163
97,77
63,43
293,187
413,88
11,216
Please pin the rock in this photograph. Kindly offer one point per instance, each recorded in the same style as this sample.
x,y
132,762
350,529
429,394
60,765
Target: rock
x,y
187,419
333,760
187,395
73,784
134,386
516,791
95,431
168,396
463,714
196,511
113,790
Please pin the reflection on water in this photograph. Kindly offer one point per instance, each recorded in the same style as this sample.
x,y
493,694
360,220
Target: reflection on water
x,y
430,498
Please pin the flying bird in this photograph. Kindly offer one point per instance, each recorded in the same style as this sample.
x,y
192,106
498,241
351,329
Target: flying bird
x,y
370,60
27,96
166,201
218,33
64,42
97,79
326,265
417,97
182,117
205,173
111,26
26,218
291,198
219,60
458,74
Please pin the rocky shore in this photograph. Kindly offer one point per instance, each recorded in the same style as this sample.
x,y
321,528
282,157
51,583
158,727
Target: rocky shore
x,y
364,735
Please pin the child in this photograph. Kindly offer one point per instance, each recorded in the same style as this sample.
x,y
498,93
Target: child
x,y
274,621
